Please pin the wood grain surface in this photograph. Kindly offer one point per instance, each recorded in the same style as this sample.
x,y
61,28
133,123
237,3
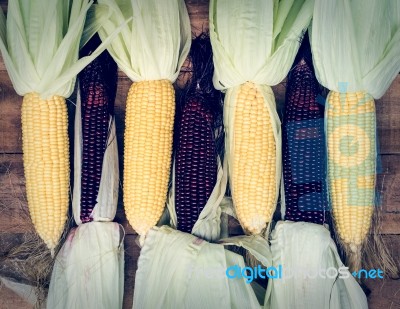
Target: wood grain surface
x,y
14,214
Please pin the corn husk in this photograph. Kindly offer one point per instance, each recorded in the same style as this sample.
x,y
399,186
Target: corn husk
x,y
89,269
304,249
40,41
356,47
196,279
350,54
260,43
154,45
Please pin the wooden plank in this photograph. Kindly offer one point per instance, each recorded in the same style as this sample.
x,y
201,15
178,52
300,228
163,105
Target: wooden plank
x,y
388,119
388,183
198,14
10,117
390,223
132,252
385,293
13,206
10,300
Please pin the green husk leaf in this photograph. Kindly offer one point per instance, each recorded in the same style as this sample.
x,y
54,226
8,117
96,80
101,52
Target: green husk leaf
x,y
196,280
256,40
356,44
308,257
91,24
157,41
40,43
89,269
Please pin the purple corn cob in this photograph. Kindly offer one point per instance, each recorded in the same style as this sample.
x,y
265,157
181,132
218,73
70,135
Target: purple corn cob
x,y
304,164
98,85
196,147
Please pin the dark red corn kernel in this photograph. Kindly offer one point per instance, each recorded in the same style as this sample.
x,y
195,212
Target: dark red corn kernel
x,y
304,152
98,84
196,147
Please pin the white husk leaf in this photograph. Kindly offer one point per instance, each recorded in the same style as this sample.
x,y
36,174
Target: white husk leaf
x,y
89,269
107,199
306,248
40,43
197,278
256,40
356,44
208,225
156,42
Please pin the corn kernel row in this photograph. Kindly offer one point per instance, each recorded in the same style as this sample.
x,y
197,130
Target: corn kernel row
x,y
98,85
351,166
253,179
149,122
46,164
303,144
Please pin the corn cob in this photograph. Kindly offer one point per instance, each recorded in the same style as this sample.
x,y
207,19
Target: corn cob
x,y
196,155
253,170
43,62
46,164
304,165
150,111
246,65
351,167
98,85
160,33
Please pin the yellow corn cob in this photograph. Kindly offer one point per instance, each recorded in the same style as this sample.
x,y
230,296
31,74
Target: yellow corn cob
x,y
351,166
253,170
46,164
150,110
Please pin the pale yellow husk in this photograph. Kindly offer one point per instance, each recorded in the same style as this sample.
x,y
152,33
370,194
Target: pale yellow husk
x,y
89,269
303,249
197,279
